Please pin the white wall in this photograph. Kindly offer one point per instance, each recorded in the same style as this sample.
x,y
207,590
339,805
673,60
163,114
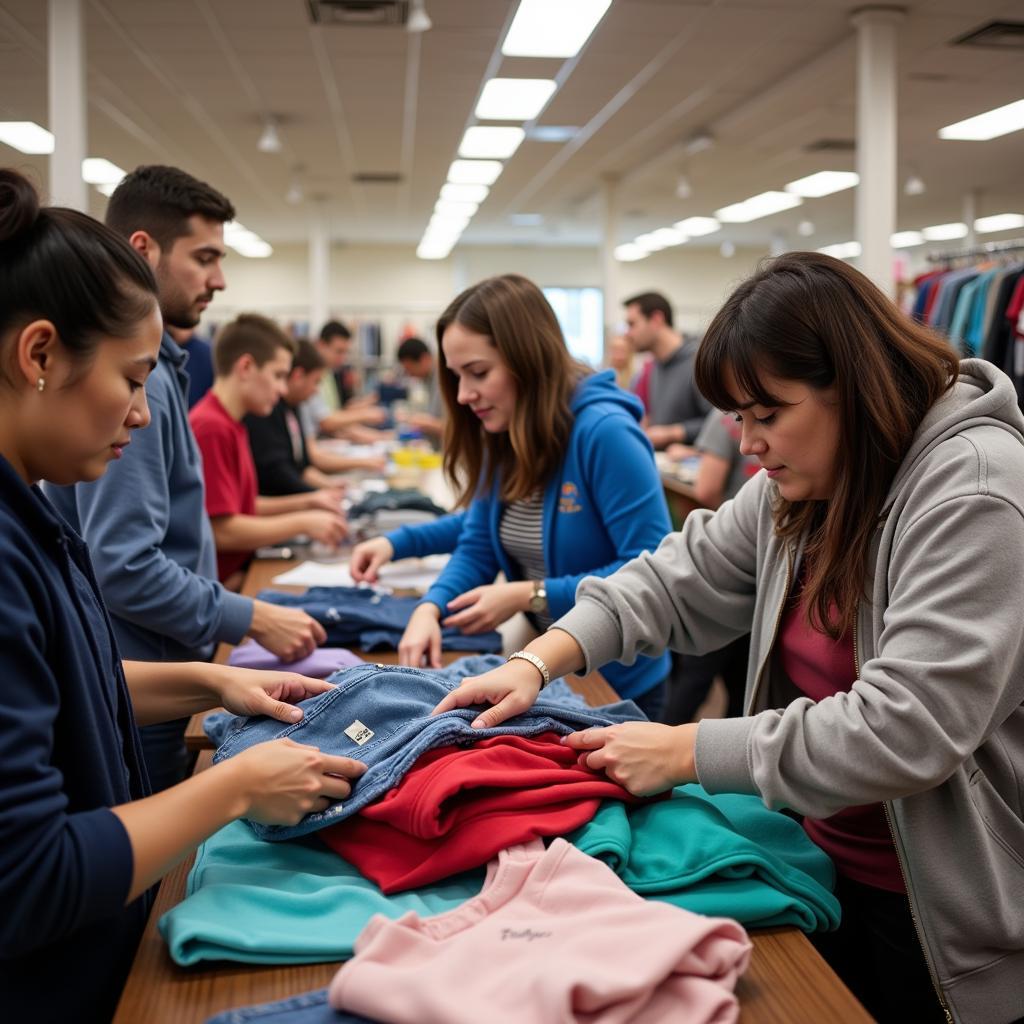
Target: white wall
x,y
389,284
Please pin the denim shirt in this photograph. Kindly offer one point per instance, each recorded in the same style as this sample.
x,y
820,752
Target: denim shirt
x,y
380,715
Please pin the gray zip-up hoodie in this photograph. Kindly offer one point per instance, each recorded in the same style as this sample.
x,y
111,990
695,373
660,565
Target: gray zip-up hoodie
x,y
933,726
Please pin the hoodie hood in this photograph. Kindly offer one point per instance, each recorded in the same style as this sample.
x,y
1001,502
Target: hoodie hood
x,y
982,396
601,388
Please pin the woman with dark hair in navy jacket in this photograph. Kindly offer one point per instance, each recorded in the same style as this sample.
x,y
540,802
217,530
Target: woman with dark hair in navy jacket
x,y
557,477
81,840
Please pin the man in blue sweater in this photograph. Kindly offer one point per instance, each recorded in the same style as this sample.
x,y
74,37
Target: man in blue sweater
x,y
145,520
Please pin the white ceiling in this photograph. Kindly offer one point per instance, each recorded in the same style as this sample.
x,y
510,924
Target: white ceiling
x,y
188,81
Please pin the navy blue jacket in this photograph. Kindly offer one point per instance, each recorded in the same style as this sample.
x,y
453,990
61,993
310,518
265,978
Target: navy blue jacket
x,y
603,506
69,751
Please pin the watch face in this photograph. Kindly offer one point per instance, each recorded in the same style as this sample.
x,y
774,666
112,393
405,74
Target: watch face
x,y
537,603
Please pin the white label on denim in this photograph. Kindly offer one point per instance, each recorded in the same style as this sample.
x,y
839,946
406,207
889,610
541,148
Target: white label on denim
x,y
359,733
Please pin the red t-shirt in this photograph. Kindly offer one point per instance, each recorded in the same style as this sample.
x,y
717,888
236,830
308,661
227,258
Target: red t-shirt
x,y
228,469
858,838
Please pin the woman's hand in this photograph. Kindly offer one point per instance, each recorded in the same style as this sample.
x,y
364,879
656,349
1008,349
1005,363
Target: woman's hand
x,y
283,781
643,757
368,557
246,691
422,638
485,608
511,688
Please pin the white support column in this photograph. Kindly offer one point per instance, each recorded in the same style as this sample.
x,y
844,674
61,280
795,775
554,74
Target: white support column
x,y
67,103
970,215
319,269
609,264
876,139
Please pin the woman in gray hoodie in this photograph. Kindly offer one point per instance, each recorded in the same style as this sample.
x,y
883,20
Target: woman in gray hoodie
x,y
878,562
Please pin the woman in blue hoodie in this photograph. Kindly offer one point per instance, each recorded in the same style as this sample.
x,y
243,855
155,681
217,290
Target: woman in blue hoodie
x,y
81,839
555,473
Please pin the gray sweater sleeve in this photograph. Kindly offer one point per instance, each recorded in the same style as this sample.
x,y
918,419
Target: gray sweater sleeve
x,y
124,517
946,673
695,593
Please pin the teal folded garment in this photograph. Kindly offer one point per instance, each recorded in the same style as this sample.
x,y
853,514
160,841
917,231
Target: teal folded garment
x,y
285,903
725,855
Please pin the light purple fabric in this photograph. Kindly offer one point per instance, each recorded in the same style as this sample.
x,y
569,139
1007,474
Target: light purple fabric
x,y
319,665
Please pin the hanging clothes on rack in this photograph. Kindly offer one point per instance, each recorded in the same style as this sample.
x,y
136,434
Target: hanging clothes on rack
x,y
976,297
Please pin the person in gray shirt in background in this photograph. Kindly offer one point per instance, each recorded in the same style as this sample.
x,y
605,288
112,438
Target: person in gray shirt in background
x,y
676,408
145,519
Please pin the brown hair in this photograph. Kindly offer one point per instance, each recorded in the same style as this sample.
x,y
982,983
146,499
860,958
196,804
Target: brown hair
x,y
307,357
811,318
249,334
160,200
513,313
650,303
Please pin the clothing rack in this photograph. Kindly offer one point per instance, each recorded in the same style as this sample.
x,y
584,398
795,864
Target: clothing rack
x,y
988,249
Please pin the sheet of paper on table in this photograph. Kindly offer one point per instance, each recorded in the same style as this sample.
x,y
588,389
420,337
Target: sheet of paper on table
x,y
406,574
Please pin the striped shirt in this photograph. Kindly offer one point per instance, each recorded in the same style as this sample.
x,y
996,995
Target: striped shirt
x,y
521,533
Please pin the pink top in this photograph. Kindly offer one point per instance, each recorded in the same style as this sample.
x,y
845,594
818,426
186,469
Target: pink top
x,y
856,838
554,936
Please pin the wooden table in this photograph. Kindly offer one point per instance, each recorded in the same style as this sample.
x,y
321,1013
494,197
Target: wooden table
x,y
681,496
787,981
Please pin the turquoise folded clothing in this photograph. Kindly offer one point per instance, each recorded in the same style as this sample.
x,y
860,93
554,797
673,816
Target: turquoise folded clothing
x,y
285,903
725,855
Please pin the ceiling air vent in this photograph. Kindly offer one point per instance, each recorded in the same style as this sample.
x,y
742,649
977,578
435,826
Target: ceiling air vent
x,y
358,13
377,178
999,35
831,146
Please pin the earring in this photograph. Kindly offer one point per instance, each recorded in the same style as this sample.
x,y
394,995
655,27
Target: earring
x,y
40,384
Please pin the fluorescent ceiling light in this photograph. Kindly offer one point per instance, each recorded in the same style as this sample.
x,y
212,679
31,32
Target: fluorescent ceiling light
x,y
465,193
514,99
648,242
662,238
245,242
448,222
552,28
97,171
474,172
456,207
107,190
824,183
989,125
552,132
944,232
694,227
526,220
999,222
763,205
629,252
906,239
842,250
428,250
489,142
26,137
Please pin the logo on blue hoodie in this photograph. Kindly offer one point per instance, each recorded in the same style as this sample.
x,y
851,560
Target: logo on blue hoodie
x,y
567,500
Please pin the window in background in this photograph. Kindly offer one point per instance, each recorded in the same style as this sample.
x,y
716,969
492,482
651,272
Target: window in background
x,y
580,315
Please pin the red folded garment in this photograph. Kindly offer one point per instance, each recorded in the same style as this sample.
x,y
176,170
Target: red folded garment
x,y
458,806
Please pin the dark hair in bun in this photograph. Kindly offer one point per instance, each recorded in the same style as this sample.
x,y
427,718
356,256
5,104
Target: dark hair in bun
x,y
19,205
63,266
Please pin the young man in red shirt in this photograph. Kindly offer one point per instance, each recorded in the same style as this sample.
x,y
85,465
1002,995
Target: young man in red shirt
x,y
252,357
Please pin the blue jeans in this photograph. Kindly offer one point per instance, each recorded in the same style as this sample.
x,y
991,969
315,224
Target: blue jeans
x,y
380,715
308,1008
361,617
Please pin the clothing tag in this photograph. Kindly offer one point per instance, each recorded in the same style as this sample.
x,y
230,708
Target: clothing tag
x,y
359,733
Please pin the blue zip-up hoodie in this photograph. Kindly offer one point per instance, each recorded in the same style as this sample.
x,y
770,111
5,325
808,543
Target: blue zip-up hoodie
x,y
68,753
603,506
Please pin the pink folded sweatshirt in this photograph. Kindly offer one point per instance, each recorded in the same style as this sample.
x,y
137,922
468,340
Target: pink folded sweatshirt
x,y
554,937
